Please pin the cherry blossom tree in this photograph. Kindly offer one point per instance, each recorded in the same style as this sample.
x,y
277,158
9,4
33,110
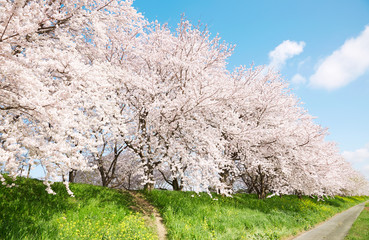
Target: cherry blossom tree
x,y
56,79
123,172
177,90
274,143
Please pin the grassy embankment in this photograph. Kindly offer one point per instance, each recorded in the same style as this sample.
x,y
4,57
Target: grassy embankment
x,y
360,228
188,216
28,212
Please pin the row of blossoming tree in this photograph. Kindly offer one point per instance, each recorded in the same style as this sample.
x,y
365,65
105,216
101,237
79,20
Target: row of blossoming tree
x,y
92,91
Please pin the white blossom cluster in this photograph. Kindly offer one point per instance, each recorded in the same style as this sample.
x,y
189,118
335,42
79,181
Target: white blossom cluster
x,y
93,86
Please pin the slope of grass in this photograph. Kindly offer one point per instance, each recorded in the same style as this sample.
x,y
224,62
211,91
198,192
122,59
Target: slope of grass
x,y
360,228
28,212
188,216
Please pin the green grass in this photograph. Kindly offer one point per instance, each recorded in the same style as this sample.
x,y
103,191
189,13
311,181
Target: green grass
x,y
243,216
28,212
360,228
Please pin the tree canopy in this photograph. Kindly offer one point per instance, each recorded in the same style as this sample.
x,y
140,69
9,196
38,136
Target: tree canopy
x,y
92,88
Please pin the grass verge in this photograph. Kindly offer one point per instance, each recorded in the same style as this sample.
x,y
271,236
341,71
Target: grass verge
x,y
189,216
28,212
360,228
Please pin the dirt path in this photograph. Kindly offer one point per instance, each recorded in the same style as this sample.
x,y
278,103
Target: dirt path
x,y
143,206
335,228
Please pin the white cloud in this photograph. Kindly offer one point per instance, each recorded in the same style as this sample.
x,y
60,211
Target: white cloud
x,y
344,65
357,156
303,63
284,51
298,79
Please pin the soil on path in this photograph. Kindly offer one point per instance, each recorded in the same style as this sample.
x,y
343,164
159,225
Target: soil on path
x,y
335,228
143,206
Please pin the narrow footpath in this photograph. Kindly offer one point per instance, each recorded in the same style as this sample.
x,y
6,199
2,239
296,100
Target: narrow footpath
x,y
143,206
335,228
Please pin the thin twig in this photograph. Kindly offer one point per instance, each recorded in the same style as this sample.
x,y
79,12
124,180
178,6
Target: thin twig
x,y
6,26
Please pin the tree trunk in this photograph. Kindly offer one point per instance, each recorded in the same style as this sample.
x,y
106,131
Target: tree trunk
x,y
149,174
262,194
129,181
299,194
176,185
29,170
149,187
263,186
104,182
225,177
72,175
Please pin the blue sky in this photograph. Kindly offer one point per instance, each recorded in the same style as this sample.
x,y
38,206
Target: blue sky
x,y
320,47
